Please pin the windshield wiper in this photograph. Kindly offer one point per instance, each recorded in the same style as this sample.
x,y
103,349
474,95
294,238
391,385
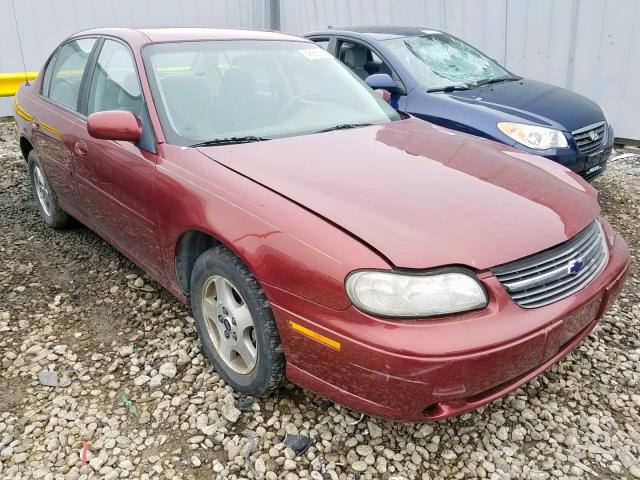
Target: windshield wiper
x,y
480,83
230,141
344,126
449,88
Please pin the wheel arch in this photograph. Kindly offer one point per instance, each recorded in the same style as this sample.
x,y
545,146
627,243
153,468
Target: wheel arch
x,y
25,147
190,245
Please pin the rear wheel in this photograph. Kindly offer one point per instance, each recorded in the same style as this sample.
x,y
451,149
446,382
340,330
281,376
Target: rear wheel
x,y
235,324
46,200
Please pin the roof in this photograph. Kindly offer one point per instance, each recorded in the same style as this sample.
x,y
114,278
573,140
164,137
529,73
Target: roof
x,y
173,34
391,30
158,35
379,32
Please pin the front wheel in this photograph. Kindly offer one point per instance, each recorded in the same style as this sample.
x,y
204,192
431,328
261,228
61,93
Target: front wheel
x,y
235,324
46,200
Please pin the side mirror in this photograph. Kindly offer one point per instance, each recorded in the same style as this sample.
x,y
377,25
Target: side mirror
x,y
382,81
115,125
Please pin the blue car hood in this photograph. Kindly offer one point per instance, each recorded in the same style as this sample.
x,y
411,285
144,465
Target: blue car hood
x,y
535,102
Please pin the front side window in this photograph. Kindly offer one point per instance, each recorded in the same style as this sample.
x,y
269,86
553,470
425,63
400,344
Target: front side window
x,y
355,56
210,90
438,61
115,84
363,61
63,82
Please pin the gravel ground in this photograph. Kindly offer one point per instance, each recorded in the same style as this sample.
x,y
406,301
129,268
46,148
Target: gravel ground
x,y
135,397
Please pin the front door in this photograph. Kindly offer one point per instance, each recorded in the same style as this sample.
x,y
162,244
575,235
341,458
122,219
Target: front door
x,y
116,179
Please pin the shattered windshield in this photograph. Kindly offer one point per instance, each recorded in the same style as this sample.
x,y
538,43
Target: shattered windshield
x,y
439,61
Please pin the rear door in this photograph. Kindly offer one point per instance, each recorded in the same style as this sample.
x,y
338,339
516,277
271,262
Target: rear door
x,y
115,178
59,124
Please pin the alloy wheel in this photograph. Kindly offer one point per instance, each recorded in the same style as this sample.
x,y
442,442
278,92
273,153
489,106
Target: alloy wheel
x,y
42,190
229,324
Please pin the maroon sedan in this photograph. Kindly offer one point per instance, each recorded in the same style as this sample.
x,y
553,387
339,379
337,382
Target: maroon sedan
x,y
400,268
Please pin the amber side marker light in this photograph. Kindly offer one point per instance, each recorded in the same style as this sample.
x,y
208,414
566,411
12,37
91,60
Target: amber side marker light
x,y
315,335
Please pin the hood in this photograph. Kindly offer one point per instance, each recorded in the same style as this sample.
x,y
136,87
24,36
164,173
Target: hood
x,y
420,195
535,102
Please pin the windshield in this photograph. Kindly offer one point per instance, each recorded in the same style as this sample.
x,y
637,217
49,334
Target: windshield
x,y
439,61
248,89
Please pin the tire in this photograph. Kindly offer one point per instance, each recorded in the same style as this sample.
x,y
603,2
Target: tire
x,y
223,292
46,199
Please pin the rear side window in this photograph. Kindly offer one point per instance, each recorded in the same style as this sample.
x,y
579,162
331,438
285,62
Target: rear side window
x,y
46,79
115,84
63,82
321,42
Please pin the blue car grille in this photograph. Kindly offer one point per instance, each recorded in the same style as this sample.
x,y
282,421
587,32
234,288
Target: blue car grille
x,y
556,273
591,138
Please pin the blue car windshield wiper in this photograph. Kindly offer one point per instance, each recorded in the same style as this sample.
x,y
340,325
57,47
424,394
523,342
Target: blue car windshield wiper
x,y
489,81
449,88
230,141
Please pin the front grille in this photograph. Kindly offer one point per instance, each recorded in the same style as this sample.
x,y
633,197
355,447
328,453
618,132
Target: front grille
x,y
589,139
556,273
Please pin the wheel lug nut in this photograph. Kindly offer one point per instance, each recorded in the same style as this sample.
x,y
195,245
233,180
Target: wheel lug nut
x,y
226,334
233,321
220,318
235,337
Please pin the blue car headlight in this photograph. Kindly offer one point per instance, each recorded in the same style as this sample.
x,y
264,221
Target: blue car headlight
x,y
534,136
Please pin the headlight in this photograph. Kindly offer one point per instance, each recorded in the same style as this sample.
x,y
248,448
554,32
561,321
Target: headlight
x,y
415,295
534,136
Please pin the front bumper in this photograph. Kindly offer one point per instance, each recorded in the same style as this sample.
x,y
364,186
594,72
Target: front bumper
x,y
588,166
431,369
594,165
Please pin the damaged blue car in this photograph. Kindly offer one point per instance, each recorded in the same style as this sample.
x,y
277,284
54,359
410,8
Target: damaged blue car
x,y
439,78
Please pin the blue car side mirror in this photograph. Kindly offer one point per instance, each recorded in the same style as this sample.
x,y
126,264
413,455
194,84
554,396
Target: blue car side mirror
x,y
382,81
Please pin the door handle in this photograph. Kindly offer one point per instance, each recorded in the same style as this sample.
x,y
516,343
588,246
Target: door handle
x,y
80,148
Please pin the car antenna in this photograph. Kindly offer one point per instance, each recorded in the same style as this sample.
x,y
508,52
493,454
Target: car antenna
x,y
15,19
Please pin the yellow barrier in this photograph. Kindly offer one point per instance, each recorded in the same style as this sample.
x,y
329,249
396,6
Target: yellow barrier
x,y
10,82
